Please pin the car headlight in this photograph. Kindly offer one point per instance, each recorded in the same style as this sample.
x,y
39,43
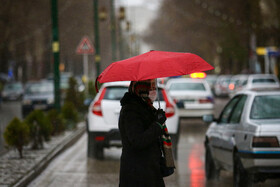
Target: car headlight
x,y
26,102
50,101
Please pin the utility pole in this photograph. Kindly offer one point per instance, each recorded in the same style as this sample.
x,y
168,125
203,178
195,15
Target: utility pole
x,y
55,50
113,31
96,34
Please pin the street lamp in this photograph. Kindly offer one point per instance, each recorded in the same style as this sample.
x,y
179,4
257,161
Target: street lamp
x,y
113,30
121,13
121,16
103,13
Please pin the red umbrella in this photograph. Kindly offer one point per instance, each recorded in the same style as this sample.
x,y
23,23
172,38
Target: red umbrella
x,y
153,64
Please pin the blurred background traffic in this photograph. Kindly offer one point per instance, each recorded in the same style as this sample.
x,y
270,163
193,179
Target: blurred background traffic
x,y
49,47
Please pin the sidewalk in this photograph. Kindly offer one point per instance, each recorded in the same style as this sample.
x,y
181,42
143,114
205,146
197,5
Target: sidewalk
x,y
19,172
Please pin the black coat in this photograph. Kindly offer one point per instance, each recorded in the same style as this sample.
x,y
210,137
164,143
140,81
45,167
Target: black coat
x,y
141,148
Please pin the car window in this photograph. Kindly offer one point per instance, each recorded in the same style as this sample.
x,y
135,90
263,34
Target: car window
x,y
224,118
115,93
262,81
226,81
266,107
238,109
13,87
187,86
245,82
39,88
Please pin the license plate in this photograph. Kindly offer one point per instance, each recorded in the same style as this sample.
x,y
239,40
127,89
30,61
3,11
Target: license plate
x,y
189,100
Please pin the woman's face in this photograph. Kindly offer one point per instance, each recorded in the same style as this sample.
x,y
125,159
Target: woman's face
x,y
153,84
152,91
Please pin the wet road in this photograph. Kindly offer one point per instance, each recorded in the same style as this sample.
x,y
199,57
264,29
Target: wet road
x,y
73,168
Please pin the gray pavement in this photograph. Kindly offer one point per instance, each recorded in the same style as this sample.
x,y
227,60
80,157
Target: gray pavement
x,y
19,172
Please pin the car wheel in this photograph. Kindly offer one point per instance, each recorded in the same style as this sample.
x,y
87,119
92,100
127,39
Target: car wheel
x,y
90,146
240,176
94,150
211,170
98,151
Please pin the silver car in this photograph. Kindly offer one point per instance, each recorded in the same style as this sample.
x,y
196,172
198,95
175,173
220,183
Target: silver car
x,y
245,139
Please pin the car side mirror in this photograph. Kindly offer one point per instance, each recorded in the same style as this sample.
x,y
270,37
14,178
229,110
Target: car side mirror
x,y
208,118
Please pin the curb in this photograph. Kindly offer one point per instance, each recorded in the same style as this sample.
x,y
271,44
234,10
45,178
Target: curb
x,y
38,168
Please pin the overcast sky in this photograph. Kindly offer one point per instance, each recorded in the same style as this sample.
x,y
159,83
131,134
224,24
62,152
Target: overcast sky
x,y
140,13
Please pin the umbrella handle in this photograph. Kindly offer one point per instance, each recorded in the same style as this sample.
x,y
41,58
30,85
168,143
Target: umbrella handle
x,y
157,93
96,86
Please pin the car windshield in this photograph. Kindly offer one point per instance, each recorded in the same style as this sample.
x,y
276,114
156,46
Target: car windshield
x,y
187,86
225,80
266,107
12,87
40,88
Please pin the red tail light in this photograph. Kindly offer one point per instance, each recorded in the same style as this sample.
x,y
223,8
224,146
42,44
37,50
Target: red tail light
x,y
99,138
96,108
169,108
231,86
265,142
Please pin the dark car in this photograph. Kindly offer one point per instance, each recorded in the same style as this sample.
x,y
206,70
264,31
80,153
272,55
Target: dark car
x,y
38,96
12,91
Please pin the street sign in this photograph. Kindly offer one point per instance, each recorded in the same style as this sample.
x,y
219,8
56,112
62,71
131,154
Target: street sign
x,y
85,46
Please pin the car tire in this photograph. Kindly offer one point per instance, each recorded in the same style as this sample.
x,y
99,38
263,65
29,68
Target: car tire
x,y
95,149
240,176
98,151
211,170
90,152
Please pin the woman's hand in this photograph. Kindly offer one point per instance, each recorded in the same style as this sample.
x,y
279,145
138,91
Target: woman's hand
x,y
160,116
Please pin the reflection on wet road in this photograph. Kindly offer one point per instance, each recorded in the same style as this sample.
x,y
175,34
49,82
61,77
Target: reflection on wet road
x,y
195,164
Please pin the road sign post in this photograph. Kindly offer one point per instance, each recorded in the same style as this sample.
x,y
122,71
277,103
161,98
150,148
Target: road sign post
x,y
85,48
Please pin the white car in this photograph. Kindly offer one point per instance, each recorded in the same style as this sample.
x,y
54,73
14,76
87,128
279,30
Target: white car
x,y
245,139
193,97
261,81
103,116
221,85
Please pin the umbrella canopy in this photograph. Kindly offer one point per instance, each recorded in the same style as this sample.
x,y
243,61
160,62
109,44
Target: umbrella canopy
x,y
153,64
